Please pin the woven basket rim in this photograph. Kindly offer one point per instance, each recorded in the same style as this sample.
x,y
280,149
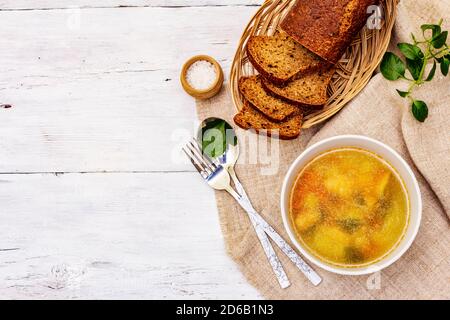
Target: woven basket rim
x,y
354,70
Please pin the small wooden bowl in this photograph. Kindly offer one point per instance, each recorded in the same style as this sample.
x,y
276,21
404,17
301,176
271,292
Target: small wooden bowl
x,y
207,93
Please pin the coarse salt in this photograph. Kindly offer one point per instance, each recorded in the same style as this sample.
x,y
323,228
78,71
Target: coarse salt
x,y
201,75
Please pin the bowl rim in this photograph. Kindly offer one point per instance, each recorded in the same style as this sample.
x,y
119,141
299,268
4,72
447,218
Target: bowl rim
x,y
384,262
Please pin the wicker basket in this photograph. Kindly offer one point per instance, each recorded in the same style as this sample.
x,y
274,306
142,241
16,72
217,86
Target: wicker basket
x,y
354,70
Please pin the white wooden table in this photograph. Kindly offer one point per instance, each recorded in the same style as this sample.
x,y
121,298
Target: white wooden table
x,y
93,203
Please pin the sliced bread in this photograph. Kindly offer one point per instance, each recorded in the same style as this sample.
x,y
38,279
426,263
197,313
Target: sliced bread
x,y
309,91
279,58
250,118
273,108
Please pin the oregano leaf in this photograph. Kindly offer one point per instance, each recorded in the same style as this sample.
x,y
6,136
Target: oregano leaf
x,y
436,29
432,72
410,51
392,67
445,66
415,61
439,41
414,67
420,110
402,94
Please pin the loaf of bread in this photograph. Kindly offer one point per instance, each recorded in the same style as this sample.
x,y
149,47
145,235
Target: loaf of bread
x,y
250,118
273,108
308,92
279,58
326,27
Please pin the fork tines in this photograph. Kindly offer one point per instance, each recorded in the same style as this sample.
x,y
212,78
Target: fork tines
x,y
201,161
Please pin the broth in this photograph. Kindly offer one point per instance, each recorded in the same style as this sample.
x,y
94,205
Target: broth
x,y
349,207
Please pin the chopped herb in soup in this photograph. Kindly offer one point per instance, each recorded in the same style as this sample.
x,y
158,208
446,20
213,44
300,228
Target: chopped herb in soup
x,y
349,207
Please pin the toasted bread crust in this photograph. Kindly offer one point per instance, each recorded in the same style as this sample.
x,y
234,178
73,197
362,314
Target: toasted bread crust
x,y
326,27
273,108
309,92
267,53
250,118
263,72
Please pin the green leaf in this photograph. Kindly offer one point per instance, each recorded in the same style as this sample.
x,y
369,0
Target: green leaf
x,y
392,67
439,41
415,67
410,51
420,110
214,138
445,66
436,29
403,94
432,72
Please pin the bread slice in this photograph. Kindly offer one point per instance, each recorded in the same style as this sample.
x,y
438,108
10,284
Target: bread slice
x,y
250,118
326,27
273,108
279,58
309,92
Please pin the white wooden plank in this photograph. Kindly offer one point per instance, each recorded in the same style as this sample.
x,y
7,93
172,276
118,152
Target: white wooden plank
x,y
103,94
129,236
59,4
89,93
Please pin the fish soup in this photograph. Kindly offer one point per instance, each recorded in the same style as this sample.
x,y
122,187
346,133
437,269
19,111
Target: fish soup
x,y
349,207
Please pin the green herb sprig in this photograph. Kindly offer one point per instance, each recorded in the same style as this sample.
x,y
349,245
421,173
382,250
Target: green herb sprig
x,y
431,47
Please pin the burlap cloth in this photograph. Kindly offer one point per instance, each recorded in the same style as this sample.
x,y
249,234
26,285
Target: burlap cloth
x,y
378,112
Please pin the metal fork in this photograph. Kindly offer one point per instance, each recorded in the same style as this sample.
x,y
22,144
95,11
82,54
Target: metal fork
x,y
218,178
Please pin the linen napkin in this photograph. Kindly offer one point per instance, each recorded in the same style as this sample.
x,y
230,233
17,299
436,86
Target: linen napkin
x,y
378,112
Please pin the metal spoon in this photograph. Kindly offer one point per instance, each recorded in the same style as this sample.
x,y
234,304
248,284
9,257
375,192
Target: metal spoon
x,y
227,157
230,154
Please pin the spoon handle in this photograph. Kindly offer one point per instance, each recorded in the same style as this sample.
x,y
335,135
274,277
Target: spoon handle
x,y
271,255
292,255
280,242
